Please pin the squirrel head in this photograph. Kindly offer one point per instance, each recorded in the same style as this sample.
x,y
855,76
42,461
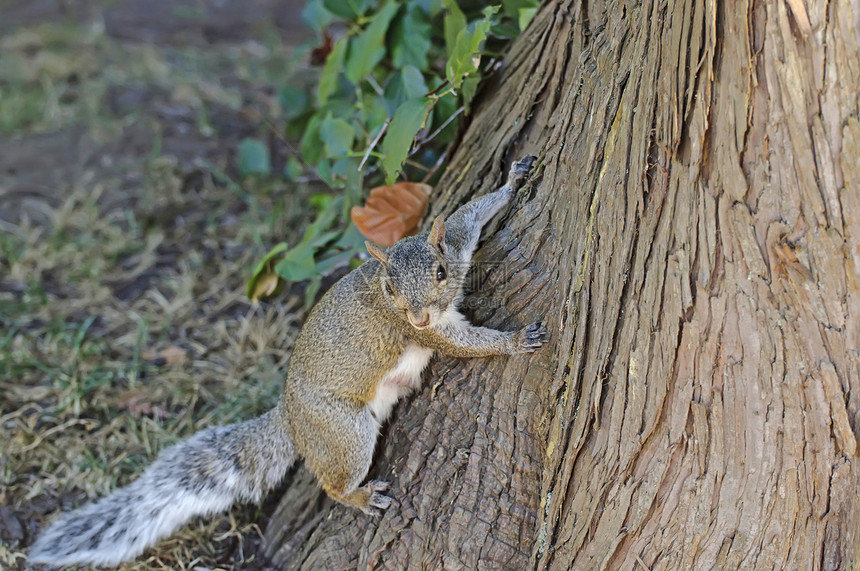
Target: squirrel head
x,y
420,277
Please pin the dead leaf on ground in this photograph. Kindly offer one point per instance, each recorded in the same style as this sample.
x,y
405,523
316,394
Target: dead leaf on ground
x,y
138,404
392,212
172,355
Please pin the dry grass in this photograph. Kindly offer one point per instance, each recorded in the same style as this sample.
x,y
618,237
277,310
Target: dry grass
x,y
123,322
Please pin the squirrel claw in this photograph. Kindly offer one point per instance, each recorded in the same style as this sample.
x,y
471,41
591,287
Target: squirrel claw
x,y
377,501
524,165
532,337
521,169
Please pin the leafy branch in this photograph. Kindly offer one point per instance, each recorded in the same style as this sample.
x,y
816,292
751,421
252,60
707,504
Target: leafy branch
x,y
396,79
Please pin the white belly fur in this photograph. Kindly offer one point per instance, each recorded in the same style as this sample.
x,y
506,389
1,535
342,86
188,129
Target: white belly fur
x,y
399,381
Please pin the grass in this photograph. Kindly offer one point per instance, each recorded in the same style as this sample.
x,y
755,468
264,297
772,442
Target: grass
x,y
123,322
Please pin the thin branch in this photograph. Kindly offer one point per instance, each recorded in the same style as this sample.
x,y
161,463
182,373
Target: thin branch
x,y
439,88
438,164
374,143
437,131
416,165
376,87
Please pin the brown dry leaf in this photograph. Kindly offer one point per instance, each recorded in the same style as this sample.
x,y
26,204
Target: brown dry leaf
x,y
137,404
172,355
392,212
320,53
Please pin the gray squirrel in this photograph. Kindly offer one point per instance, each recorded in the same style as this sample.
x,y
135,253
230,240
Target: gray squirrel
x,y
362,348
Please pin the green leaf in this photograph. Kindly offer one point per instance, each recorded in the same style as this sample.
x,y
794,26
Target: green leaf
x,y
323,170
405,84
347,9
454,21
351,239
321,201
511,8
254,157
410,38
261,267
350,243
311,145
508,31
460,62
372,113
407,121
311,291
432,7
294,101
316,16
298,263
324,219
337,134
331,71
331,263
525,16
466,55
323,238
368,48
296,127
470,87
293,169
445,107
347,169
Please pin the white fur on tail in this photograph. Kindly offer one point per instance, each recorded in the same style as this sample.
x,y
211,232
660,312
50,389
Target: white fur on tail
x,y
201,475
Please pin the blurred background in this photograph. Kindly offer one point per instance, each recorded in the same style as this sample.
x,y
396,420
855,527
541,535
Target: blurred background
x,y
126,240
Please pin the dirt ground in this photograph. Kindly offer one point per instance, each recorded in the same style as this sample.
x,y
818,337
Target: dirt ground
x,y
126,239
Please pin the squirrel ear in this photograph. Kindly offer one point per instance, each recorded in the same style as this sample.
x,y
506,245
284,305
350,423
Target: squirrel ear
x,y
437,234
377,253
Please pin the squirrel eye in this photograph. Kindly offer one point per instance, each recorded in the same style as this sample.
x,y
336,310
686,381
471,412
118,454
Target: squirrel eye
x,y
389,289
440,274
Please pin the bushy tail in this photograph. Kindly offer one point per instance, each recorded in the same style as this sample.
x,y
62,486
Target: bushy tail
x,y
203,474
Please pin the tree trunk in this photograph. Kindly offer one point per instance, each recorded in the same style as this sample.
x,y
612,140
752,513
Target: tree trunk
x,y
693,240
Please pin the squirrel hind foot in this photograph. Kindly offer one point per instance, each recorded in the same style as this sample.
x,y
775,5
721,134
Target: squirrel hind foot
x,y
378,501
369,498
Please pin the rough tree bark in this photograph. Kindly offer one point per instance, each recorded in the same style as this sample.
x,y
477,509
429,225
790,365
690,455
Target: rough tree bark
x,y
694,241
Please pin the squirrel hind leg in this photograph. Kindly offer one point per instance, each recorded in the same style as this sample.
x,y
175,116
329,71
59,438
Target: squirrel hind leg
x,y
342,456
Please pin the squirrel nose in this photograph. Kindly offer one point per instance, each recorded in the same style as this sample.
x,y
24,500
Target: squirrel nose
x,y
419,322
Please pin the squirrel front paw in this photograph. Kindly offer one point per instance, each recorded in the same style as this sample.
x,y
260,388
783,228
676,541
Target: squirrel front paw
x,y
520,171
530,338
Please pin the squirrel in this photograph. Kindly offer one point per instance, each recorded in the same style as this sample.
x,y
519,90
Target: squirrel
x,y
362,348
